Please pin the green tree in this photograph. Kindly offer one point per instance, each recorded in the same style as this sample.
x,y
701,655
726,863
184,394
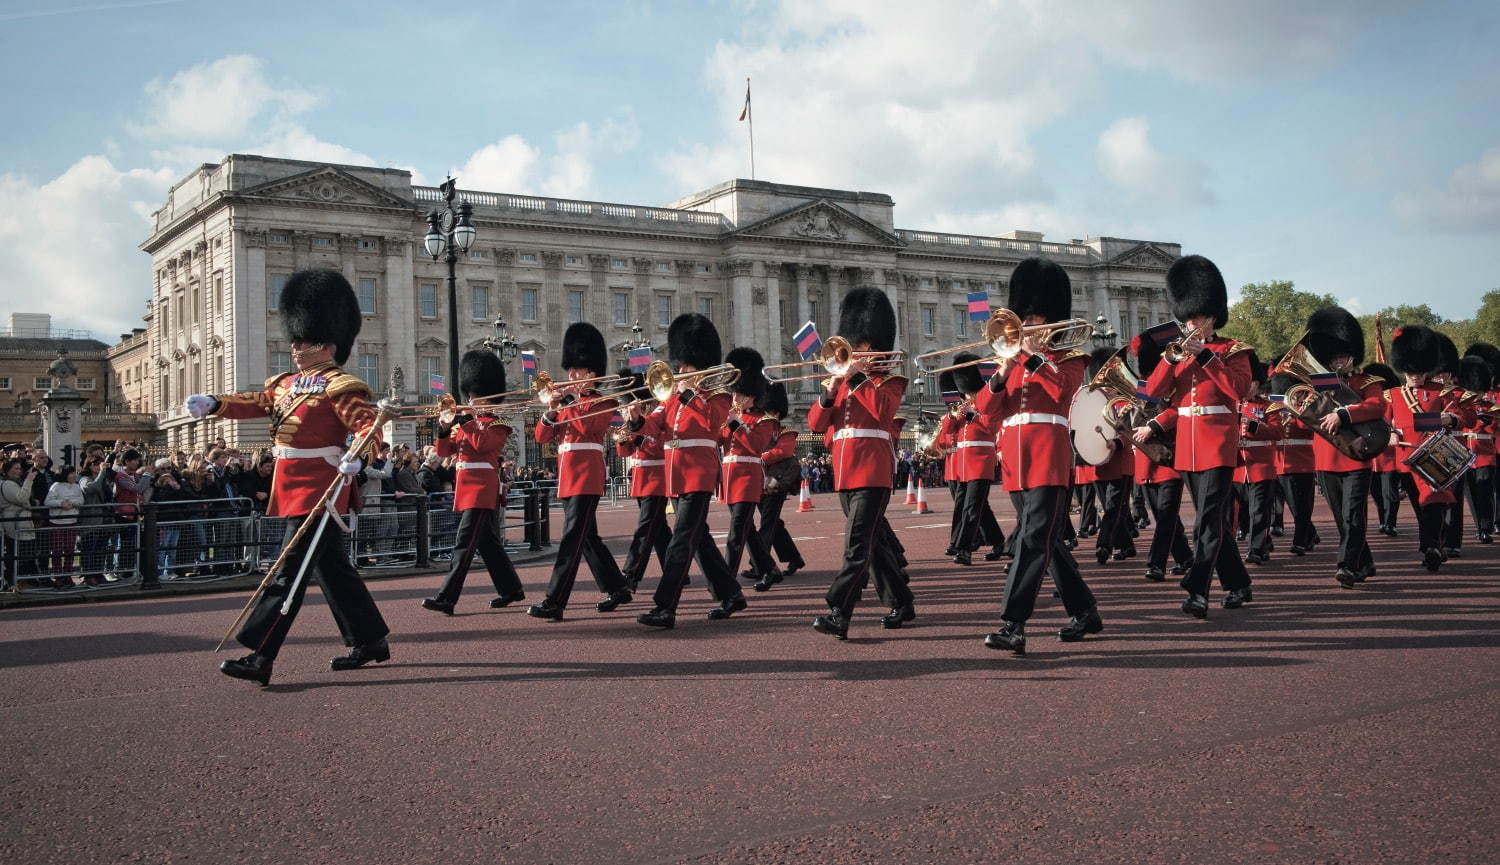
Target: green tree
x,y
1393,317
1487,319
1272,315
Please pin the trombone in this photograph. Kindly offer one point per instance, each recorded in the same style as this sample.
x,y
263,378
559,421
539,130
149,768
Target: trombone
x,y
660,383
836,357
1003,333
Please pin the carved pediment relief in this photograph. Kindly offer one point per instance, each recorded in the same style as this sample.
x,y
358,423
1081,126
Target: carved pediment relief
x,y
821,221
431,342
328,185
1144,255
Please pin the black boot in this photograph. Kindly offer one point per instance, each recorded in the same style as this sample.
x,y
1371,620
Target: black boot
x,y
835,623
897,617
506,600
251,668
1012,636
728,608
546,610
1087,622
613,600
376,652
1196,606
768,581
658,618
1155,574
438,605
963,557
1237,598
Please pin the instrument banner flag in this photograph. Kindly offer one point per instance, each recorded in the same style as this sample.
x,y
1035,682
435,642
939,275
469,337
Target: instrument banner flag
x,y
1140,389
807,341
1427,421
528,363
1165,333
987,369
979,305
1325,381
952,397
640,358
436,384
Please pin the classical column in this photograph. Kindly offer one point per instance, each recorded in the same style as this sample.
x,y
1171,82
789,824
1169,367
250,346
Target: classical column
x,y
301,249
640,300
252,322
776,341
804,305
897,293
554,295
400,317
348,243
741,325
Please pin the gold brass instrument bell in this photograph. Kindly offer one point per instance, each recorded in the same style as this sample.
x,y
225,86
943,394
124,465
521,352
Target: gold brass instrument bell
x,y
1003,333
836,357
660,382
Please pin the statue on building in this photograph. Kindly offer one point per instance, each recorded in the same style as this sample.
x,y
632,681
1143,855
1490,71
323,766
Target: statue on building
x,y
62,369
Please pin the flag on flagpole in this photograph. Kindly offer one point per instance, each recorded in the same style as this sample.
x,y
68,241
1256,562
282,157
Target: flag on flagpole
x,y
436,384
979,305
745,112
640,358
807,341
1140,389
528,363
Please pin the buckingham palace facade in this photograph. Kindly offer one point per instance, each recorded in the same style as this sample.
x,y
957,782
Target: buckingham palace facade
x,y
758,258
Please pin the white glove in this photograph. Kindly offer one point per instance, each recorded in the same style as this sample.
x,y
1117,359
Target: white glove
x,y
351,465
200,406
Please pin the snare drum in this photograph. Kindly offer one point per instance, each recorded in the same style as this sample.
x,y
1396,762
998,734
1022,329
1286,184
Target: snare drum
x,y
1441,460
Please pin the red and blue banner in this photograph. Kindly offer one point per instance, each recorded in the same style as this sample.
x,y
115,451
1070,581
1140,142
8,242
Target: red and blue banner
x,y
807,341
979,305
1426,421
528,363
1165,333
436,383
640,358
1324,381
987,369
952,397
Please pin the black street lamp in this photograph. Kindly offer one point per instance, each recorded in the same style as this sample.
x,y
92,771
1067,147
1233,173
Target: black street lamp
x,y
1104,332
452,230
505,346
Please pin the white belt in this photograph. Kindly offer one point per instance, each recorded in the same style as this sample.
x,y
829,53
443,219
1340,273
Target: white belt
x,y
329,454
674,444
632,462
1296,441
464,465
1035,417
736,458
976,444
566,447
861,433
1255,444
1479,437
1197,410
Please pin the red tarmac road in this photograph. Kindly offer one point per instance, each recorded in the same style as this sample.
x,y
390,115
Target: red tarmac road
x,y
1315,725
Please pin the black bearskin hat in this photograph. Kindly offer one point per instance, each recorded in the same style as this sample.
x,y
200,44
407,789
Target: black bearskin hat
x,y
480,373
1384,373
749,362
637,386
693,341
1332,331
946,384
1147,354
583,348
967,379
1415,349
1449,351
1098,358
1488,353
866,316
1474,374
1040,287
1197,288
317,305
773,400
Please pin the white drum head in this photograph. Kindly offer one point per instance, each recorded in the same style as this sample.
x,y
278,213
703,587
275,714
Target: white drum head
x,y
1093,435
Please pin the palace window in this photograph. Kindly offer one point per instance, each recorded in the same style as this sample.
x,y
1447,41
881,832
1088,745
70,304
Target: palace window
x,y
275,284
706,307
322,241
528,258
41,382
431,373
4,382
281,362
479,302
427,300
663,310
278,237
621,301
220,296
85,383
664,267
366,243
573,260
960,321
575,306
369,369
929,320
367,295
618,263
528,304
927,282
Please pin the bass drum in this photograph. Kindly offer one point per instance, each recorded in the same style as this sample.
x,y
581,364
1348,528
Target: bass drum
x,y
1094,437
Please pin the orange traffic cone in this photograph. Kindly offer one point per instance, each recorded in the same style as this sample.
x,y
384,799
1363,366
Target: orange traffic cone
x,y
804,499
911,491
922,499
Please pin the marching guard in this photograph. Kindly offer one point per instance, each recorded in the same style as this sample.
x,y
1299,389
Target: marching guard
x,y
648,486
1161,483
744,439
783,474
1385,480
313,411
973,443
1256,475
1419,409
476,443
1479,484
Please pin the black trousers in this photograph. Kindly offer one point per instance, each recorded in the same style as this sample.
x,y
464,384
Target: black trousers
x,y
1088,514
956,522
1297,491
773,533
354,611
1429,517
1260,502
1114,523
1214,547
1040,512
1165,501
1348,496
1385,488
581,542
690,539
976,519
478,531
866,549
1138,510
989,527
1479,486
651,533
1277,500
1453,518
742,534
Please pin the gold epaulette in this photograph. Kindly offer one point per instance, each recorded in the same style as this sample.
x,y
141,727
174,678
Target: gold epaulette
x,y
341,383
275,380
1075,354
1236,349
1276,406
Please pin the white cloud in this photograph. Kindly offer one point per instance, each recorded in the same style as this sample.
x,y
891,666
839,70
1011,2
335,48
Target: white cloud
x,y
1469,202
217,100
68,246
1127,157
512,164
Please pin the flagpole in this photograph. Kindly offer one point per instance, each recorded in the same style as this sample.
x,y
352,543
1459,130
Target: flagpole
x,y
750,116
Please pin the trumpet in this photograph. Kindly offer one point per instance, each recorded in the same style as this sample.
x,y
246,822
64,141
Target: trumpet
x,y
836,357
549,391
1004,332
1174,352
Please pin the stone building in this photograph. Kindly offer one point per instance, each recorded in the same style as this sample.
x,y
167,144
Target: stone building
x,y
129,368
759,258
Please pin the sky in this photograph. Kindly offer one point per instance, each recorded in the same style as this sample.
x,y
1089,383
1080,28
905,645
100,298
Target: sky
x,y
1351,146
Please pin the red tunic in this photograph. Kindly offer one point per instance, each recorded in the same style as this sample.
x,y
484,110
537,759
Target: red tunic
x,y
974,449
1480,434
1258,441
1032,410
946,438
477,444
859,419
1294,451
1404,401
783,447
1121,462
646,464
1207,396
580,447
1148,471
689,431
744,475
1371,406
318,409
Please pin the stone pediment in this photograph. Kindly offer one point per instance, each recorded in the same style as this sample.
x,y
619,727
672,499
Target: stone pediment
x,y
328,185
820,221
1144,255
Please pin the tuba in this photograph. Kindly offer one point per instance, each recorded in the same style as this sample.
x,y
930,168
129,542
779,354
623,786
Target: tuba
x,y
1108,408
1308,403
